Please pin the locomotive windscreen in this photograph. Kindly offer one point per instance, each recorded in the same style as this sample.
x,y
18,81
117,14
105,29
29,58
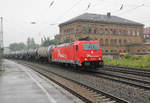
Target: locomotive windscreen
x,y
91,46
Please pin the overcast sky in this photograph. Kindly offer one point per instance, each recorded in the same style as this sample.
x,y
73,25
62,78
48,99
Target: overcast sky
x,y
18,15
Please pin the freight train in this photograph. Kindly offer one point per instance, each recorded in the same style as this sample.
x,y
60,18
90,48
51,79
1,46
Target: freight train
x,y
86,54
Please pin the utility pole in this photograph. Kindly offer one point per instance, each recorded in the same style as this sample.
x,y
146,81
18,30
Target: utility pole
x,y
1,33
1,38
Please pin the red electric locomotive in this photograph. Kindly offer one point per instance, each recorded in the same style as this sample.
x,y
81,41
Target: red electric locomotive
x,y
80,54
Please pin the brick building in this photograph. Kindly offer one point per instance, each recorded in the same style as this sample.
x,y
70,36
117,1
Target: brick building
x,y
115,34
147,34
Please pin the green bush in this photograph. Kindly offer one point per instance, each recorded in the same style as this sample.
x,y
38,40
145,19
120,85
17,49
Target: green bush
x,y
130,61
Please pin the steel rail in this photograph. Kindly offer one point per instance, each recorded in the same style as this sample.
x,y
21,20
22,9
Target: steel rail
x,y
112,98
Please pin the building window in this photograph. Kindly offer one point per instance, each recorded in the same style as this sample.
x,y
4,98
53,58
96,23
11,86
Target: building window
x,y
129,33
114,31
84,30
125,42
138,33
115,42
111,42
106,42
124,32
95,31
101,42
119,32
89,30
77,30
120,42
106,51
133,33
96,38
111,50
111,31
101,31
106,31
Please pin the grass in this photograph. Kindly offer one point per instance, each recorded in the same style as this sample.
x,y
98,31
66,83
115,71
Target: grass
x,y
130,61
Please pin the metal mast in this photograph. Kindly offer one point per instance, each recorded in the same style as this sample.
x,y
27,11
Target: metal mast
x,y
1,33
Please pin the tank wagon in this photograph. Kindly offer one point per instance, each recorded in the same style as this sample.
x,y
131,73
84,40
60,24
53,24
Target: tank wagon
x,y
32,54
86,54
44,53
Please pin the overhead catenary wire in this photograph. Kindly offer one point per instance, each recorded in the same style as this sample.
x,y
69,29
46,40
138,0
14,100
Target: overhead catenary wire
x,y
89,5
51,4
122,5
120,9
140,4
67,11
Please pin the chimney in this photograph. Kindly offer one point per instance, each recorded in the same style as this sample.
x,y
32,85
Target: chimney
x,y
108,14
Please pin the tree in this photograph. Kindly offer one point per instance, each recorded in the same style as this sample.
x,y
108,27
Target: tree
x,y
31,43
17,46
46,41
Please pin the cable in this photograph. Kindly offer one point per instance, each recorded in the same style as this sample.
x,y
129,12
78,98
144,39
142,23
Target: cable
x,y
67,11
51,4
141,5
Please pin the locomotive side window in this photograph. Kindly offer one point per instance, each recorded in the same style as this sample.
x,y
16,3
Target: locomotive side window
x,y
91,46
76,47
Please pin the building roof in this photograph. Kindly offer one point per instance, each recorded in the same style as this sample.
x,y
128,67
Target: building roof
x,y
147,30
89,17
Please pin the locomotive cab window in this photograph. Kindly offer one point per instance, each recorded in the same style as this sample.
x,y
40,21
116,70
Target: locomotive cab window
x,y
91,46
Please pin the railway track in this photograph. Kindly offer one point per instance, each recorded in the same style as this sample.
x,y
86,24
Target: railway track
x,y
142,84
84,92
127,70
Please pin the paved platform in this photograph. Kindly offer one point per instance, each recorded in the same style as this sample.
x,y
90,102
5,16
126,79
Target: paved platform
x,y
20,84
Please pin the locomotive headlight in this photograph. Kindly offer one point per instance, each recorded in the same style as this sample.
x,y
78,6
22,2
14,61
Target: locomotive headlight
x,y
85,59
99,58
